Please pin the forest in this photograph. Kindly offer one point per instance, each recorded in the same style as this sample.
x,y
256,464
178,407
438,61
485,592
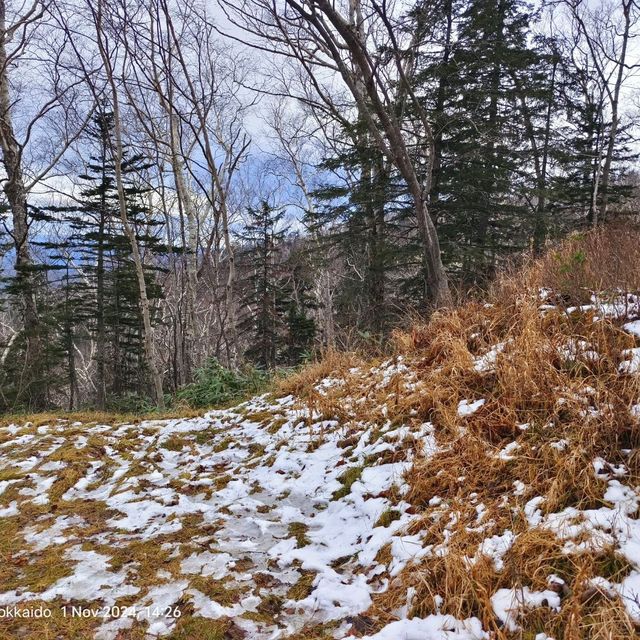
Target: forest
x,y
198,195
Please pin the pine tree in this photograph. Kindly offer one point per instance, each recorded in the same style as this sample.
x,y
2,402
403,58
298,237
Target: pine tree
x,y
27,383
265,300
105,285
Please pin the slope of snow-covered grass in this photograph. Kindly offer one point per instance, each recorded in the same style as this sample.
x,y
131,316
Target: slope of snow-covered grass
x,y
267,514
484,482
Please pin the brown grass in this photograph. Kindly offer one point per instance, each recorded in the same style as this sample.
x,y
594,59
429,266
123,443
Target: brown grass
x,y
89,417
576,399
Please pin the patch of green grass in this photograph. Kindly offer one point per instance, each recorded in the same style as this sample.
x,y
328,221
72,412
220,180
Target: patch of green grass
x,y
224,444
216,385
189,628
42,570
347,479
257,616
613,566
387,517
175,443
205,437
11,474
217,590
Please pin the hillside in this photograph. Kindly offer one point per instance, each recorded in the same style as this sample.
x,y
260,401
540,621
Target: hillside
x,y
483,481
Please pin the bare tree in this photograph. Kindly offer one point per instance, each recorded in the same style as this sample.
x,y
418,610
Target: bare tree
x,y
198,90
19,45
292,136
604,34
359,42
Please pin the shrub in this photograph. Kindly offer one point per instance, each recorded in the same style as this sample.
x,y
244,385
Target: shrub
x,y
216,384
131,402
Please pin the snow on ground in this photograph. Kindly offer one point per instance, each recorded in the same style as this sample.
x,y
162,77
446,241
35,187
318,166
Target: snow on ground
x,y
273,516
259,498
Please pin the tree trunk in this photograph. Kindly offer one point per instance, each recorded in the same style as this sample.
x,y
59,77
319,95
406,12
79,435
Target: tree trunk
x,y
615,99
145,310
186,207
439,114
362,83
16,193
101,339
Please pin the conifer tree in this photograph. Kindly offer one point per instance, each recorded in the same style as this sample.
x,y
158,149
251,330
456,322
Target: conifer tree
x,y
481,149
105,285
581,155
300,325
265,299
360,216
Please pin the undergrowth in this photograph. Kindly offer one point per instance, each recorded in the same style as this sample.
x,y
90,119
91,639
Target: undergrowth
x,y
216,385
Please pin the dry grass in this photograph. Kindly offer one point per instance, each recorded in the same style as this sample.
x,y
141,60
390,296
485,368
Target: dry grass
x,y
89,417
575,399
302,383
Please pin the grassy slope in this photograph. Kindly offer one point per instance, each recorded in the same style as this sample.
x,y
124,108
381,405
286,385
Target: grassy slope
x,y
574,400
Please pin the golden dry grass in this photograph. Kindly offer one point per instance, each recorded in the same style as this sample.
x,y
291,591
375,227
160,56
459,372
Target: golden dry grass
x,y
561,397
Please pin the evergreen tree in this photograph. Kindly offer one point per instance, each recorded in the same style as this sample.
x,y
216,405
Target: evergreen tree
x,y
265,300
482,155
580,156
105,288
28,383
300,324
363,215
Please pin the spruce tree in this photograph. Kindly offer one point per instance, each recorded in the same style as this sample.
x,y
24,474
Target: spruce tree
x,y
265,300
580,156
106,291
300,325
482,154
362,217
